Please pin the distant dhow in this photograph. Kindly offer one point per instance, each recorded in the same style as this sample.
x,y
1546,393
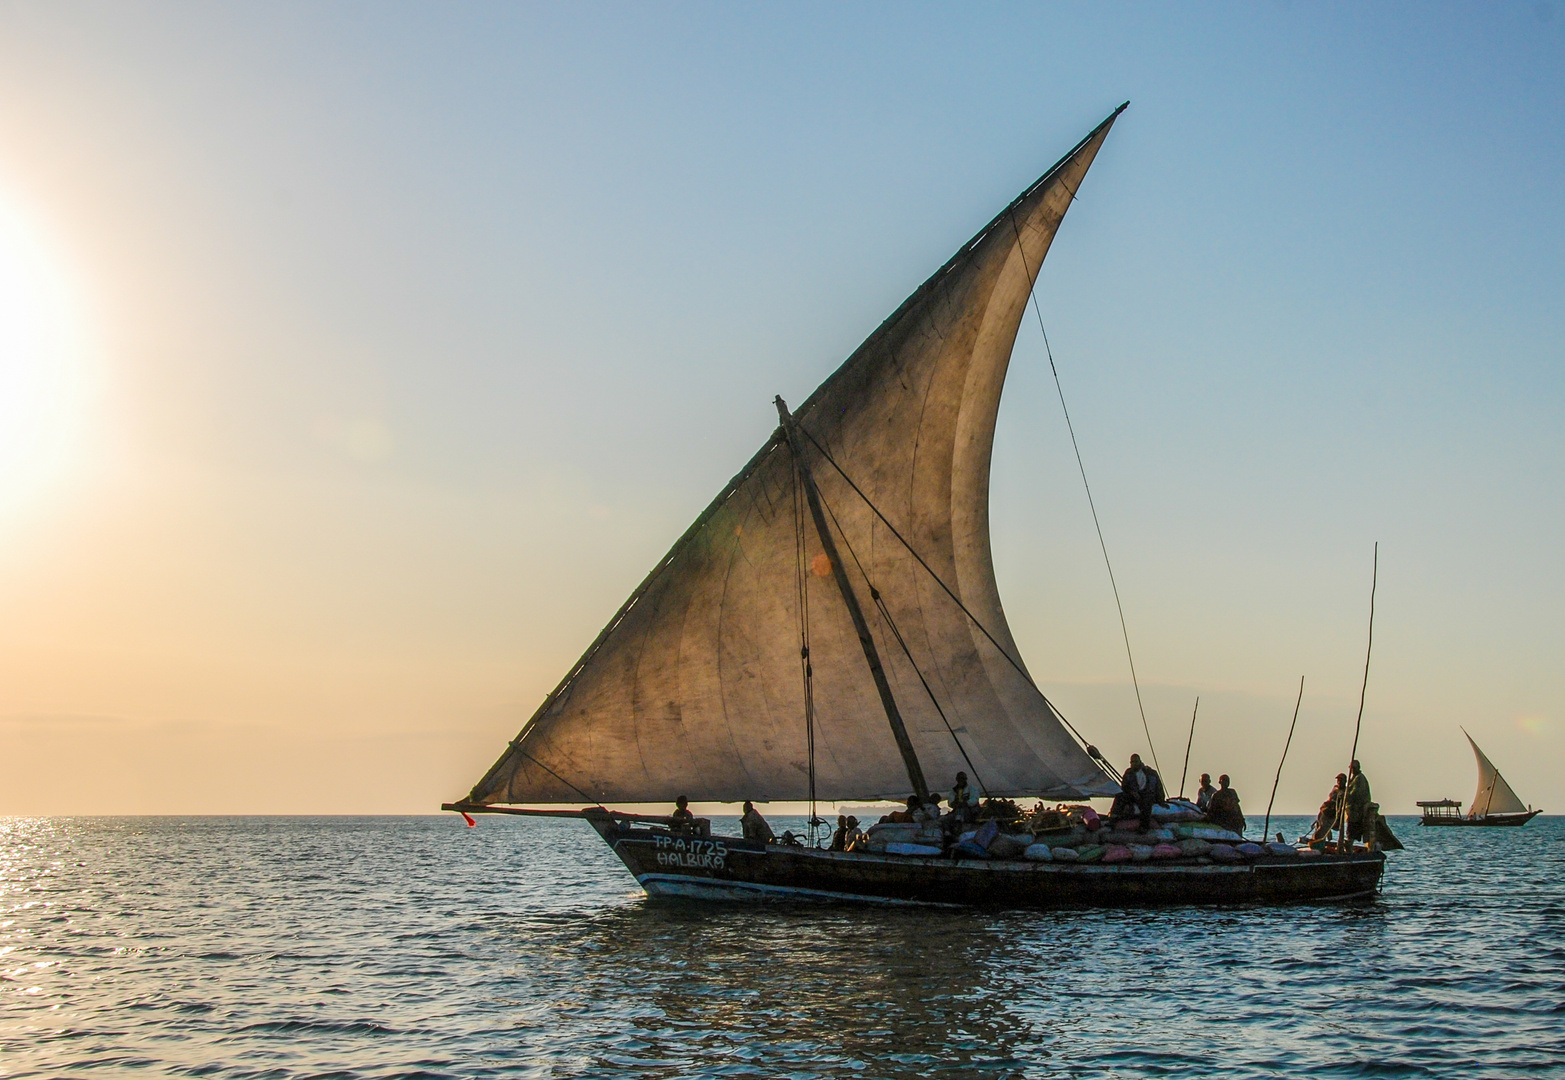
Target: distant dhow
x,y
1494,803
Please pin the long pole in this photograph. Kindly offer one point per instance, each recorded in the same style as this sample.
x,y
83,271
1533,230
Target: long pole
x,y
915,772
1266,830
1374,580
1186,771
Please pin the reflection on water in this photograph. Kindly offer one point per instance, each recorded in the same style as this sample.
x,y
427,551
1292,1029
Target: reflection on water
x,y
415,947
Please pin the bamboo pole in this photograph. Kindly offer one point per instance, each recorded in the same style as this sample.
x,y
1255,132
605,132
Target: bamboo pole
x,y
1266,830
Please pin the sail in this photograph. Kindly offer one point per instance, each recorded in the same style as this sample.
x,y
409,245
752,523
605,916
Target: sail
x,y
696,686
1494,794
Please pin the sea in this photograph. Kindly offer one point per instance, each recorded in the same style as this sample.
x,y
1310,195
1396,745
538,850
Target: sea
x,y
284,947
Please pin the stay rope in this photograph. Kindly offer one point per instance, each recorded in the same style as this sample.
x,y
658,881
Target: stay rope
x,y
1032,294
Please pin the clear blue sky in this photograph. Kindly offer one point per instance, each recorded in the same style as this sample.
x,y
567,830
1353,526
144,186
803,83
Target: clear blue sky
x,y
411,336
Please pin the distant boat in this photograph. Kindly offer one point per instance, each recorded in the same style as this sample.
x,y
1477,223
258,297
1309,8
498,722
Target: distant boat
x,y
1493,804
830,628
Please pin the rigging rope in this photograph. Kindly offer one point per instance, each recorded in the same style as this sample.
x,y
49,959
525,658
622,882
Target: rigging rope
x,y
885,613
1124,629
1092,751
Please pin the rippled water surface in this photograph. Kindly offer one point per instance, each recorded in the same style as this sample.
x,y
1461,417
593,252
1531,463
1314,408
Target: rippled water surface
x,y
370,947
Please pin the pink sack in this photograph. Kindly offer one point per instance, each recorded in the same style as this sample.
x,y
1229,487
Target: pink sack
x,y
1089,817
1166,851
1116,853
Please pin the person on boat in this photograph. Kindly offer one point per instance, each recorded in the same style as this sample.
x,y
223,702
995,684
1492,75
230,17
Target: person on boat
x,y
1330,811
1204,793
1140,789
904,817
962,798
928,810
755,826
839,839
1224,807
682,820
1358,800
855,840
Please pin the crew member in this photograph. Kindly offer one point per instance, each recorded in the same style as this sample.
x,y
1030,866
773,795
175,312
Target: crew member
x,y
855,839
755,826
961,798
1330,811
905,817
1204,793
839,839
1224,807
1140,789
1358,800
681,820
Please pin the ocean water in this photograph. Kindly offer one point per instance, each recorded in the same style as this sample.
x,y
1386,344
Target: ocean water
x,y
416,947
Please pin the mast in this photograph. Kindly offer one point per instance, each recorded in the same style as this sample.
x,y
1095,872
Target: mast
x,y
915,772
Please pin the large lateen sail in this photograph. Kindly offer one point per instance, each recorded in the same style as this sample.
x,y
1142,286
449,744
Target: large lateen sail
x,y
1494,795
696,686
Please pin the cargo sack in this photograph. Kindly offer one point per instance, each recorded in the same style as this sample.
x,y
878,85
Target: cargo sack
x,y
911,849
1141,852
1008,847
1064,854
1207,832
1090,853
891,832
1250,851
1225,854
1282,849
985,834
1116,853
1039,853
1166,851
1193,848
969,850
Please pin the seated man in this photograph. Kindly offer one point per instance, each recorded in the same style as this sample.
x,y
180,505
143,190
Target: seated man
x,y
682,820
1140,789
1224,807
855,839
905,817
755,826
962,804
928,810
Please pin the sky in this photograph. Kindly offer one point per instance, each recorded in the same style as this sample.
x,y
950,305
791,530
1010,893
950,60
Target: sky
x,y
357,360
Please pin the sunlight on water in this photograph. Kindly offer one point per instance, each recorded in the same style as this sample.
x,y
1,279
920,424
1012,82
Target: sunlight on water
x,y
379,947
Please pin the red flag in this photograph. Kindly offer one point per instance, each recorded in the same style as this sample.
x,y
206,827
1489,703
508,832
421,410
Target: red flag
x,y
467,818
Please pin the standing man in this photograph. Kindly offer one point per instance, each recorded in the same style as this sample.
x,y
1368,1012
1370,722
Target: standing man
x,y
1358,800
1204,793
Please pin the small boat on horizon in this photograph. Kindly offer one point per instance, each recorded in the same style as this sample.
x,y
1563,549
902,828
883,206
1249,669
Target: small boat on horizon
x,y
1494,804
830,629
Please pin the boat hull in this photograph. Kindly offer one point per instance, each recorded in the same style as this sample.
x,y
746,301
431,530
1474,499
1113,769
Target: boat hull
x,y
1491,821
728,868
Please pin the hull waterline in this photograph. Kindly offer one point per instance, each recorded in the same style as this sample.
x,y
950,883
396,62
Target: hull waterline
x,y
729,868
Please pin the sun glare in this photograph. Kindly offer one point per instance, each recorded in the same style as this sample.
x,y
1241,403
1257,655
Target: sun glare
x,y
41,362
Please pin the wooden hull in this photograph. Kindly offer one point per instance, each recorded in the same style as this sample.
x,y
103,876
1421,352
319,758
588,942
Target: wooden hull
x,y
728,868
1491,821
